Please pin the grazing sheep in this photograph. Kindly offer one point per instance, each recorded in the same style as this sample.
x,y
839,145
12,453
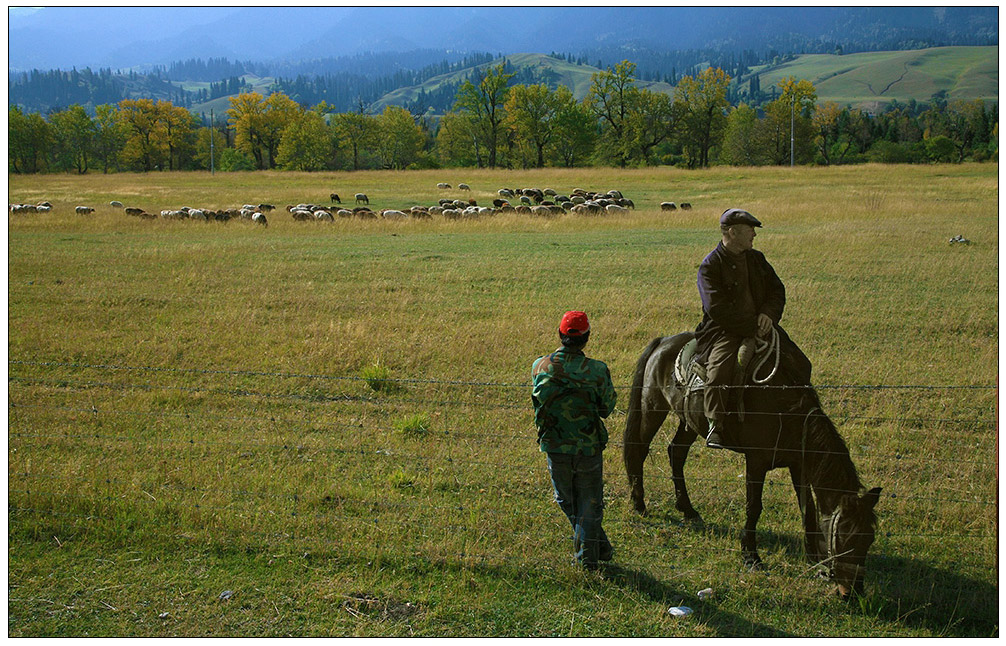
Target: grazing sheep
x,y
685,206
615,209
615,195
668,206
197,214
266,208
115,204
42,208
259,218
393,214
443,185
452,214
344,213
523,209
132,210
302,215
550,192
84,210
335,198
505,193
323,216
361,197
626,202
464,187
524,199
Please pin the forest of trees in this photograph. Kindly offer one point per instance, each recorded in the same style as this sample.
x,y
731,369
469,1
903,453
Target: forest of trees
x,y
505,118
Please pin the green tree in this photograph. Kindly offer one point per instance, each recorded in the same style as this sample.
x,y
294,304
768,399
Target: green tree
x,y
29,137
307,143
457,142
702,104
110,136
400,141
652,121
246,117
787,131
74,137
178,133
575,130
142,121
485,102
740,145
531,112
278,112
233,159
966,125
941,149
357,131
612,96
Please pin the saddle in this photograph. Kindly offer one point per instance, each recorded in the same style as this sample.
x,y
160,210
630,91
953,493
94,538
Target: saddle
x,y
691,374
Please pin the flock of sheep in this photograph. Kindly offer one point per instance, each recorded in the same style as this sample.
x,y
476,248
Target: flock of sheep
x,y
530,201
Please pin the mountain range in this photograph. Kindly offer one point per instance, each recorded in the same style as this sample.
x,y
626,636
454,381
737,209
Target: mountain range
x,y
139,38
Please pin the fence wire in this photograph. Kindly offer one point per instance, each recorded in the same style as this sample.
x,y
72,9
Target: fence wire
x,y
39,406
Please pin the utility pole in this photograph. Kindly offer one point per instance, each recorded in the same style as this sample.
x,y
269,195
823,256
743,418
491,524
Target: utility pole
x,y
792,121
212,169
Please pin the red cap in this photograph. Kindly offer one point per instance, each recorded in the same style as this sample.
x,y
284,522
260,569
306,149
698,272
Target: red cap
x,y
574,324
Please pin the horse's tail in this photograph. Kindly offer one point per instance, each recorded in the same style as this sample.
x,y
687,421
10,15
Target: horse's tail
x,y
634,450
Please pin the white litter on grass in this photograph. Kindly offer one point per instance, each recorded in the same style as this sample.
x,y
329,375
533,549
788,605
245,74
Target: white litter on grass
x,y
706,594
679,611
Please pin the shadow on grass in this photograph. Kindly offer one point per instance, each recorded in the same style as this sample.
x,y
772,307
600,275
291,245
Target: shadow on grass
x,y
725,624
900,590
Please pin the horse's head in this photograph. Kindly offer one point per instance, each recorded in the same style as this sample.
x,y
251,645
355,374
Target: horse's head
x,y
848,534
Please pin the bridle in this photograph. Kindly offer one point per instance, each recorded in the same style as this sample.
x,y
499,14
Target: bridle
x,y
834,567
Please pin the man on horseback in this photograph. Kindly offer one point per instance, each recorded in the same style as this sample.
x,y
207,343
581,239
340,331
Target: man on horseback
x,y
571,396
742,299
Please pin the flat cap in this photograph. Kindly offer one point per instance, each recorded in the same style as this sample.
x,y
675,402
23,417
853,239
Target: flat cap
x,y
731,217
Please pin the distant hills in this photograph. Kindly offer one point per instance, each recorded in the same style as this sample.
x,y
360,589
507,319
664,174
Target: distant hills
x,y
865,80
414,57
291,40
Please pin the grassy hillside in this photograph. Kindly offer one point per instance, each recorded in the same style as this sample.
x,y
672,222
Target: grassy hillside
x,y
575,77
872,79
866,80
194,448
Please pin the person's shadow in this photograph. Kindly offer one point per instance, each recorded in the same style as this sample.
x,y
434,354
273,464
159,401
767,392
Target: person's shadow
x,y
726,624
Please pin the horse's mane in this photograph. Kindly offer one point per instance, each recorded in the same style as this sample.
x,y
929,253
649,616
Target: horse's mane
x,y
832,467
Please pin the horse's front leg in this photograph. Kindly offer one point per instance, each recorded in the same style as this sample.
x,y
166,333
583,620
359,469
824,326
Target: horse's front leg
x,y
755,476
813,538
677,453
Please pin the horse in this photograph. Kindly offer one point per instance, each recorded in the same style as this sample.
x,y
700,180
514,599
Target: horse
x,y
783,426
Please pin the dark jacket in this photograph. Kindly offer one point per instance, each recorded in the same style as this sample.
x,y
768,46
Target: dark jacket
x,y
722,296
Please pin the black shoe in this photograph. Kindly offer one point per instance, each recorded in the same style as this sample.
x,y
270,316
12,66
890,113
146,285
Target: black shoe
x,y
714,440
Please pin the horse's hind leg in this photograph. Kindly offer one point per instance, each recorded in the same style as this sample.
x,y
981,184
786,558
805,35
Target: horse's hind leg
x,y
677,453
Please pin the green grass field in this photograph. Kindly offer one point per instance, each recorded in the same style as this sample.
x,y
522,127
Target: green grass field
x,y
316,429
873,79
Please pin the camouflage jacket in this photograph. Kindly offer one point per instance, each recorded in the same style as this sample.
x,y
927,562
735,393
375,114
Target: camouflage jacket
x,y
571,394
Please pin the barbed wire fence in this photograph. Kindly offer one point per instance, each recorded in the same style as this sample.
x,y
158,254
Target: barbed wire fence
x,y
185,445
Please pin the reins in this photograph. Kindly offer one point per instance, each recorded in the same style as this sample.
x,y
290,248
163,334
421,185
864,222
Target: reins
x,y
768,347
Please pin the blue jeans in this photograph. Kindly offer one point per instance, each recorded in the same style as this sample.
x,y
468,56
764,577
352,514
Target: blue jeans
x,y
579,489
